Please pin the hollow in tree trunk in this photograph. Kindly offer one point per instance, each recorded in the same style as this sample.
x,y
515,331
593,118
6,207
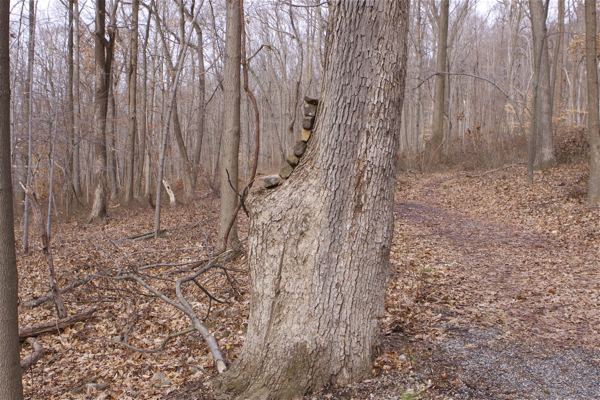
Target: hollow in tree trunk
x,y
319,245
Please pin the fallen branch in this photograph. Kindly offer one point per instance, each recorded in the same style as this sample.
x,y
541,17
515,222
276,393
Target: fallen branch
x,y
184,306
38,353
42,300
494,170
140,236
52,326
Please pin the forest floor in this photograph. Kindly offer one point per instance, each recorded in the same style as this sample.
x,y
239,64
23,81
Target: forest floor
x,y
494,293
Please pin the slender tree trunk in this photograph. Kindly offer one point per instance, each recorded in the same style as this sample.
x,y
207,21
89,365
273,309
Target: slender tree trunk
x,y
557,60
111,137
437,129
592,95
10,367
70,111
76,102
165,135
419,105
319,245
132,81
144,118
188,185
201,105
230,139
29,108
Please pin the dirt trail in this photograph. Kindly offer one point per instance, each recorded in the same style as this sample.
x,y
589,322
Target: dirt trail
x,y
520,316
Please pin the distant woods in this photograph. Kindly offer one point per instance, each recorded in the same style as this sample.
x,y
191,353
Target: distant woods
x,y
115,149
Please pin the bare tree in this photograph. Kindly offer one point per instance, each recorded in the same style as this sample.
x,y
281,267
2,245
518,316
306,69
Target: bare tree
x,y
10,367
111,137
437,130
29,108
132,81
230,141
541,143
103,52
591,64
320,243
144,118
76,100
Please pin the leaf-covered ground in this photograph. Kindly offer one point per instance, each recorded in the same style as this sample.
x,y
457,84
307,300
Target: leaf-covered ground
x,y
494,293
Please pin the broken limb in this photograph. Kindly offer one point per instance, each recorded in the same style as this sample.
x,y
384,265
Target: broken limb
x,y
51,326
38,353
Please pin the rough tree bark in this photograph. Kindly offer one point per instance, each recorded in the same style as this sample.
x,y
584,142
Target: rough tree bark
x,y
230,138
319,244
592,93
10,367
437,129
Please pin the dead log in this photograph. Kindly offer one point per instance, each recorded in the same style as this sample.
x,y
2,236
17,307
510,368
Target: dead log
x,y
39,221
38,353
52,326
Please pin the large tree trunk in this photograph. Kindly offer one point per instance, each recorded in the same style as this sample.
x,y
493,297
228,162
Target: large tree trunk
x,y
437,129
230,138
103,60
132,81
319,245
592,93
10,367
541,134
